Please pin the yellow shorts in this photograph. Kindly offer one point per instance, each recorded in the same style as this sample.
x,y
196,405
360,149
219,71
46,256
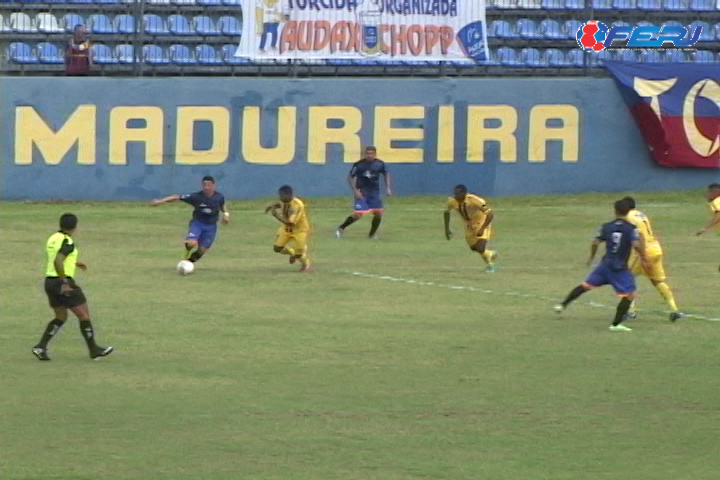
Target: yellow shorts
x,y
471,236
299,239
655,270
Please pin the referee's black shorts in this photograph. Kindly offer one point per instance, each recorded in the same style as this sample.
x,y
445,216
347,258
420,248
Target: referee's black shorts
x,y
71,299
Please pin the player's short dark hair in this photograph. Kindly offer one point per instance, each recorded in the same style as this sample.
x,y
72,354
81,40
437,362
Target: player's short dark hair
x,y
208,178
713,186
370,148
286,189
622,207
461,188
631,201
68,221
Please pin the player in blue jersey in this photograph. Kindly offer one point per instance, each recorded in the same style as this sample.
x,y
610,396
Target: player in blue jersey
x,y
364,179
621,238
208,204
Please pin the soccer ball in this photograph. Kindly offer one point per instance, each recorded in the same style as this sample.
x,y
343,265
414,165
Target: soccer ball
x,y
185,267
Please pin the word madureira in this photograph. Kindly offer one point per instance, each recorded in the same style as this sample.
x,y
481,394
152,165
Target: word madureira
x,y
212,135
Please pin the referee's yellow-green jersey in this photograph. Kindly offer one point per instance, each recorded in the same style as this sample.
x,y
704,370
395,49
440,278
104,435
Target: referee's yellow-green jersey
x,y
61,242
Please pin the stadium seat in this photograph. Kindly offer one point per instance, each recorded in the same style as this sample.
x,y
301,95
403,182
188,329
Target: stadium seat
x,y
627,56
649,5
674,23
20,52
550,29
71,20
155,25
228,55
529,4
159,2
232,2
555,58
506,56
102,55
47,23
553,4
676,5
707,34
230,26
204,25
125,54
206,55
209,3
624,4
675,56
21,23
155,55
703,5
80,1
576,57
704,56
100,24
510,4
530,57
49,53
598,59
55,1
108,2
181,55
575,4
651,56
527,28
179,25
124,24
503,29
183,2
570,28
602,4
717,31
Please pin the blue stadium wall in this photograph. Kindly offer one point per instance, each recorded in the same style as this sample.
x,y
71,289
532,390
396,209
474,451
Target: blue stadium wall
x,y
135,139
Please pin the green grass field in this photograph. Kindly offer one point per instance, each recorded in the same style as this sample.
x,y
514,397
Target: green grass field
x,y
399,359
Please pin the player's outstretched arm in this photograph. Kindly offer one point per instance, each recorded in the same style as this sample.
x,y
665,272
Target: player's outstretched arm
x,y
225,214
489,217
593,251
715,221
160,201
446,220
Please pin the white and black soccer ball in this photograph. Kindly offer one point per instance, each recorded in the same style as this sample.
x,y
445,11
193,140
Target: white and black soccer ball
x,y
185,267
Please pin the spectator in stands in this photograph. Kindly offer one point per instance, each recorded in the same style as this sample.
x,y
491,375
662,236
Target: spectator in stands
x,y
77,54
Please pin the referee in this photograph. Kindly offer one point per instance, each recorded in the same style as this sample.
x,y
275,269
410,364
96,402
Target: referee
x,y
62,291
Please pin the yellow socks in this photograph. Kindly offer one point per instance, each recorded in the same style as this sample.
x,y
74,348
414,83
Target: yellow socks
x,y
288,251
488,255
667,294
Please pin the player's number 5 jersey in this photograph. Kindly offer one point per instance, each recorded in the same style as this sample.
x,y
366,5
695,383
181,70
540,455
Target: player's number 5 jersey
x,y
473,210
642,223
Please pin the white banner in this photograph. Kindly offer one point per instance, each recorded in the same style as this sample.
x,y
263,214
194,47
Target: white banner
x,y
411,30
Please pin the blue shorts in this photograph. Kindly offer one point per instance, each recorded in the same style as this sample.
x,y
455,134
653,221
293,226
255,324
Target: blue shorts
x,y
622,281
368,203
203,233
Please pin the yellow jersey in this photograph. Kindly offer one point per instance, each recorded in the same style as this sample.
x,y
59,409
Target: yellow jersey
x,y
473,210
294,212
642,222
61,242
715,204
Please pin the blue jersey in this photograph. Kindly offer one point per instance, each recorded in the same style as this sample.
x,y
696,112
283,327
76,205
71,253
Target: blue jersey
x,y
618,236
367,175
207,209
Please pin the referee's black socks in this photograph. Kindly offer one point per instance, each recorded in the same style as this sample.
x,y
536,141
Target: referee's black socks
x,y
53,327
88,334
622,310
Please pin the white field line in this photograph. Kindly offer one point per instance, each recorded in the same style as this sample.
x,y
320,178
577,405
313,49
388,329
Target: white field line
x,y
485,291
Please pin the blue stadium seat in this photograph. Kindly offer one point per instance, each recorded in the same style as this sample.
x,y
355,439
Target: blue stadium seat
x,y
181,55
527,28
576,57
506,56
704,56
49,53
204,25
232,2
624,4
677,5
45,22
179,25
158,2
102,55
627,56
674,23
530,57
56,1
155,25
650,5
703,5
571,27
125,54
717,31
651,56
675,56
602,4
124,24
575,4
21,22
209,2
20,52
230,26
553,4
100,24
228,55
183,2
551,29
80,1
529,4
503,29
108,1
556,58
155,55
506,3
71,20
206,55
707,34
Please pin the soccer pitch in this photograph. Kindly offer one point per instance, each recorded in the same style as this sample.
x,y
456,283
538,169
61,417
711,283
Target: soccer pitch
x,y
398,359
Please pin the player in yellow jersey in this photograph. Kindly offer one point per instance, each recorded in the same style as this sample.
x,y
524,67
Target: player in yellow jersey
x,y
291,212
713,197
63,292
477,217
654,269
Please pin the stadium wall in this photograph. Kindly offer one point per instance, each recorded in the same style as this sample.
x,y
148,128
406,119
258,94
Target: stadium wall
x,y
135,139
